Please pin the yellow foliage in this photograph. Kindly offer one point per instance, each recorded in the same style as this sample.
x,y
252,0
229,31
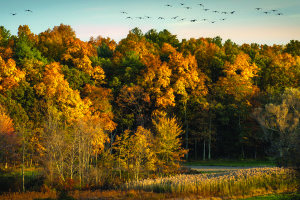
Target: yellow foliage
x,y
10,76
56,88
238,80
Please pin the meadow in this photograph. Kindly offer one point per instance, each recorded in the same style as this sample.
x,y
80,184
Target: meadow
x,y
235,184
238,184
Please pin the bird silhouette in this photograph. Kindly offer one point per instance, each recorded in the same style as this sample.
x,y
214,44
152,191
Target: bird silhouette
x,y
200,4
204,19
232,12
123,12
258,8
13,14
161,18
279,14
148,17
266,12
28,10
175,17
193,20
188,8
224,13
139,17
128,17
168,5
274,10
206,9
182,4
215,11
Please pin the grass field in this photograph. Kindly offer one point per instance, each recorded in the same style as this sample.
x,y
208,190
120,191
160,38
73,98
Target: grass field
x,y
233,163
267,197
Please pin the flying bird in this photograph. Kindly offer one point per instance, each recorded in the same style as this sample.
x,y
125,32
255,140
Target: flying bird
x,y
175,17
161,18
266,13
128,17
188,8
215,11
200,4
182,4
274,10
279,14
224,13
28,10
139,17
193,20
168,5
258,8
232,12
206,9
13,14
123,12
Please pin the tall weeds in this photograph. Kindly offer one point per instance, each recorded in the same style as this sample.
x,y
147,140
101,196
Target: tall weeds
x,y
249,182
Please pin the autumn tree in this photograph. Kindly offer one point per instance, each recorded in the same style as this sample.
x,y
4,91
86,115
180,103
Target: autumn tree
x,y
186,80
168,144
10,75
280,124
53,43
135,152
237,86
54,87
136,101
6,43
8,138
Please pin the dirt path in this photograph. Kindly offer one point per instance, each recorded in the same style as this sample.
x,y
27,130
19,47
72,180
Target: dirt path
x,y
219,168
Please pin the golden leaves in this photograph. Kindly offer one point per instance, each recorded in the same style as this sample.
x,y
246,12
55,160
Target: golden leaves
x,y
57,89
238,79
10,76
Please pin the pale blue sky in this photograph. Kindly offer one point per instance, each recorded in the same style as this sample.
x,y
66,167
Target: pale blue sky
x,y
104,17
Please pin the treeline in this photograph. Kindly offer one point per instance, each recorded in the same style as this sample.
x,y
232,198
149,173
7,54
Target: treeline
x,y
137,106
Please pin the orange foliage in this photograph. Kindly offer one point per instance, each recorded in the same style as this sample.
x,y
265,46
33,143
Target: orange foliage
x,y
100,105
238,80
10,76
54,87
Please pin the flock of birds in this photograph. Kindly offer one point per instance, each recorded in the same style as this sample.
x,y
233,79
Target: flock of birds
x,y
186,18
25,11
203,8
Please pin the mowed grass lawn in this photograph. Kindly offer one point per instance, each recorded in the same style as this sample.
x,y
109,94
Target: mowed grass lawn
x,y
233,163
267,197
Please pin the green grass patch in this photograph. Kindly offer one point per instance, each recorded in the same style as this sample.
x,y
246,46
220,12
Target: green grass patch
x,y
233,163
265,197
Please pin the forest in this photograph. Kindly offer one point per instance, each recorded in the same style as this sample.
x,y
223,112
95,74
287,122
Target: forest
x,y
98,112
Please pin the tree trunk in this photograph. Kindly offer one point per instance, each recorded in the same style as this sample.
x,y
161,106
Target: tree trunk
x,y
203,149
243,154
209,140
195,148
23,165
186,134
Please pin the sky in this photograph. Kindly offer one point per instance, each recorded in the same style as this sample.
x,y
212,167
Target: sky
x,y
275,22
